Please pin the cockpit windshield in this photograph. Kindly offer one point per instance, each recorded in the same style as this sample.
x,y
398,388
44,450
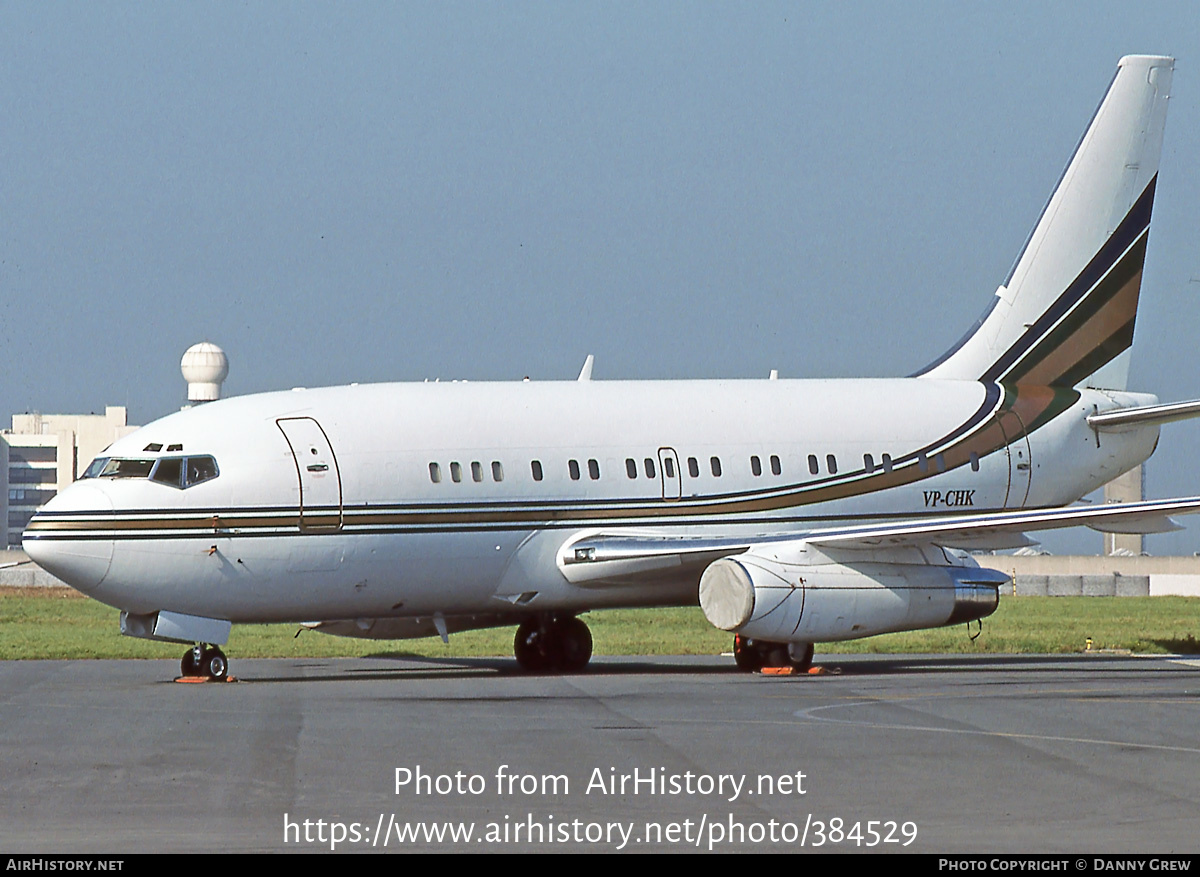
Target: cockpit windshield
x,y
181,472
95,468
118,468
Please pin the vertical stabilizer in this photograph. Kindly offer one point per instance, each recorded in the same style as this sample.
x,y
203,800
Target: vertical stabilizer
x,y
1068,306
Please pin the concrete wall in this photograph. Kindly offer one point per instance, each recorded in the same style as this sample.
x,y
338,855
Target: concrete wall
x,y
18,571
1081,575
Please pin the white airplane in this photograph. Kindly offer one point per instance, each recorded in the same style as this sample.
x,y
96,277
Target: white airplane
x,y
794,511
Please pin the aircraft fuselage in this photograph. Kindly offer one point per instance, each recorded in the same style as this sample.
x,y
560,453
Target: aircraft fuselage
x,y
406,500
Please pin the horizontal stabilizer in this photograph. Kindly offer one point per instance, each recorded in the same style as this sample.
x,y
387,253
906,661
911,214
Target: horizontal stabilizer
x,y
1128,418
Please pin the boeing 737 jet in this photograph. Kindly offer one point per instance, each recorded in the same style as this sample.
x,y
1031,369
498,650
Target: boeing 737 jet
x,y
793,511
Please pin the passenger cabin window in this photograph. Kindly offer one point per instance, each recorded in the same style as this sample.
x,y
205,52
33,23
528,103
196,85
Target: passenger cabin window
x,y
974,462
755,466
456,472
693,467
776,466
435,473
887,462
669,467
573,468
922,462
831,462
497,471
715,462
940,462
868,463
476,471
536,468
650,468
593,470
813,467
631,467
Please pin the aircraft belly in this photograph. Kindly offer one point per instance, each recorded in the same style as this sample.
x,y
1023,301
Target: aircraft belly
x,y
307,577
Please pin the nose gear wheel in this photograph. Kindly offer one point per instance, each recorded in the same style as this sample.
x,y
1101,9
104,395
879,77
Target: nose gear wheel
x,y
205,661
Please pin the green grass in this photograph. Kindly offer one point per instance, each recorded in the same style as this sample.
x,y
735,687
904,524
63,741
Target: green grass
x,y
54,623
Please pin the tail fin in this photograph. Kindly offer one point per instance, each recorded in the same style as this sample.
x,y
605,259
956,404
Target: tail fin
x,y
1068,306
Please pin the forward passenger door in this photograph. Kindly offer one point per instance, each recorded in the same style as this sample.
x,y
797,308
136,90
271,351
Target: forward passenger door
x,y
317,469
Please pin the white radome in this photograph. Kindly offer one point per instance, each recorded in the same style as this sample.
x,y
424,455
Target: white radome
x,y
204,367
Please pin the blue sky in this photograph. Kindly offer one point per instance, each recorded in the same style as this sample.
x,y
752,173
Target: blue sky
x,y
368,192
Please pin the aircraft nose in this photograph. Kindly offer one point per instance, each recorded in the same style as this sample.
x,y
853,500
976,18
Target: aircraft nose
x,y
65,536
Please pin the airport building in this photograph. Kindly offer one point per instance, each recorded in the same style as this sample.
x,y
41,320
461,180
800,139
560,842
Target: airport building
x,y
42,454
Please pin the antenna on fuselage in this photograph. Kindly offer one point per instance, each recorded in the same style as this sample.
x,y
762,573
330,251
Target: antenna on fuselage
x,y
205,367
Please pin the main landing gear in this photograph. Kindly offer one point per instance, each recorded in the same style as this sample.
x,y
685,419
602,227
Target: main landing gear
x,y
203,660
752,655
553,644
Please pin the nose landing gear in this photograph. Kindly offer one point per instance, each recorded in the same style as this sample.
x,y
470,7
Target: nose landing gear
x,y
205,661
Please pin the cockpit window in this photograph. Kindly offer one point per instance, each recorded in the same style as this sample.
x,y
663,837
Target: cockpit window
x,y
117,468
200,469
96,467
178,472
169,471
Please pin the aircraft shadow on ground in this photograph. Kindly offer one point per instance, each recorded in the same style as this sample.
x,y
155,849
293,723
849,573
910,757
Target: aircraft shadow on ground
x,y
915,664
468,668
1187,645
834,666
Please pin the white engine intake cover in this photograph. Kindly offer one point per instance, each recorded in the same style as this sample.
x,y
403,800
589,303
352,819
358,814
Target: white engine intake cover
x,y
771,600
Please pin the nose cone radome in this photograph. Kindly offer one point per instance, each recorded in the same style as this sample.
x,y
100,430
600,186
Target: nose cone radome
x,y
64,536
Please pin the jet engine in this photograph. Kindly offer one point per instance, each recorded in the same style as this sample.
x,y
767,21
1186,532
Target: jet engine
x,y
766,598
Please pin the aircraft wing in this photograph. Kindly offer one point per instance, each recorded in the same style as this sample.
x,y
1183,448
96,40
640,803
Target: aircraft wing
x,y
1007,529
600,558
